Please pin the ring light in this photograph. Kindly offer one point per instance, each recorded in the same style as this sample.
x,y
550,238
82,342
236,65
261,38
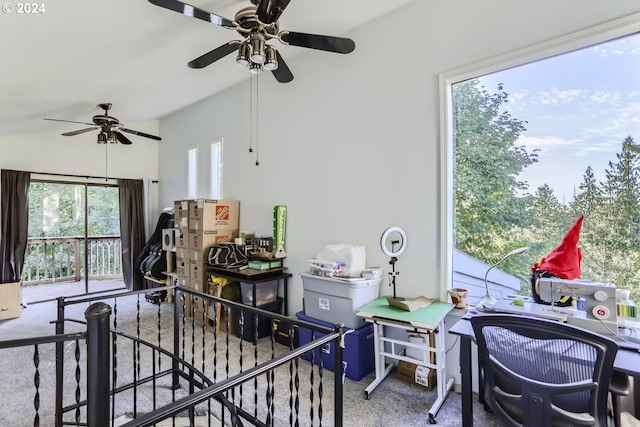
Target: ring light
x,y
389,240
383,242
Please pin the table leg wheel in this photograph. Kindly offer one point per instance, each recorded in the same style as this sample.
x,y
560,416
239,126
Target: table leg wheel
x,y
366,395
432,420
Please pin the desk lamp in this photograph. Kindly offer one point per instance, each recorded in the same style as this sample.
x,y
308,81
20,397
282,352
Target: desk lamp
x,y
489,299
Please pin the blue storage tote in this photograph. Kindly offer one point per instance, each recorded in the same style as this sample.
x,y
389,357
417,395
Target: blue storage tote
x,y
358,352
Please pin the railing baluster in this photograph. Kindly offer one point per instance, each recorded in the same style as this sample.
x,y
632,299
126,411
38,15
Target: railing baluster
x,y
36,382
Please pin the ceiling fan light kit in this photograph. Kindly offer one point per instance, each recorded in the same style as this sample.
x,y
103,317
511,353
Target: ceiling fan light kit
x,y
110,128
257,25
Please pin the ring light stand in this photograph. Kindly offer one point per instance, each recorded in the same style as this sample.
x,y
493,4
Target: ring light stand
x,y
389,240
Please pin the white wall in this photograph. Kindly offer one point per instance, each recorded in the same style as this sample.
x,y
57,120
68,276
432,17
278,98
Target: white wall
x,y
82,155
351,146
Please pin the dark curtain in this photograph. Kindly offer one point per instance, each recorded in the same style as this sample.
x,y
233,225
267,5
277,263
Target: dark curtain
x,y
14,216
131,195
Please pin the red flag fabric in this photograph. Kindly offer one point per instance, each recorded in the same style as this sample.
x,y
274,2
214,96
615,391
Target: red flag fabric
x,y
564,261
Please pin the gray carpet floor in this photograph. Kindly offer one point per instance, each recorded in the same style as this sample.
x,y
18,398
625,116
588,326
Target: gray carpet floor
x,y
393,403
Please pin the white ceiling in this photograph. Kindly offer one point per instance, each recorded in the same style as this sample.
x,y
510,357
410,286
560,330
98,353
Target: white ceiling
x,y
77,54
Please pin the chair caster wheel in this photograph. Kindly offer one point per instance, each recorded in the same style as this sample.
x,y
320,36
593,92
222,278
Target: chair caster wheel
x,y
366,395
432,420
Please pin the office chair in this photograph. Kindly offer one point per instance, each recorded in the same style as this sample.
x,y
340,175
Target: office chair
x,y
540,372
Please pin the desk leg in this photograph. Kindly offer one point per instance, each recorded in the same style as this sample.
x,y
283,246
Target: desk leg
x,y
444,388
467,385
381,369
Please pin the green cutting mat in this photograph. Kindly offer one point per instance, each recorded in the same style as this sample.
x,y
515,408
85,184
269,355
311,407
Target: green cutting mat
x,y
429,316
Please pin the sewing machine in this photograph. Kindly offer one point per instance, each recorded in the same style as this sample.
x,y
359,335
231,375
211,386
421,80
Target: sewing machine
x,y
596,300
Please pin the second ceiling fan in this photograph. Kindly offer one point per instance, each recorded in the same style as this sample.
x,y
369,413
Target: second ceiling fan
x,y
257,25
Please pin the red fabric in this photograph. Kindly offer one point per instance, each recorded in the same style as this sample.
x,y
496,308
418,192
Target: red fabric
x,y
564,261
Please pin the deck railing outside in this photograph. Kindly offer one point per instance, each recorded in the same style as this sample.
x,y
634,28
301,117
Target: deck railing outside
x,y
62,259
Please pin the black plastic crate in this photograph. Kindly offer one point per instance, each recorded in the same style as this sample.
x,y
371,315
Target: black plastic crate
x,y
247,331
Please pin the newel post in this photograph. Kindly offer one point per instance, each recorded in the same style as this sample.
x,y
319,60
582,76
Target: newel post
x,y
98,364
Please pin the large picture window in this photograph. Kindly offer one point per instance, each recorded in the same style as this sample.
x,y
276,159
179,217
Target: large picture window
x,y
536,139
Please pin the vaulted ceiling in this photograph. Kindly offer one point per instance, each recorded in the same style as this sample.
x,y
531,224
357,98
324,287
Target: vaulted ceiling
x,y
72,55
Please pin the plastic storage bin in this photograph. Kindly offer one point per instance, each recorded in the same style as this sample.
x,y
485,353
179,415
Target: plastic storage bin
x,y
247,331
337,301
266,292
358,352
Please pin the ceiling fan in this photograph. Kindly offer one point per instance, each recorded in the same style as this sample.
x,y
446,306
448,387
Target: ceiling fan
x,y
110,128
257,25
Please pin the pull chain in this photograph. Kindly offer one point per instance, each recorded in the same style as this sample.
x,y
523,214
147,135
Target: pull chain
x,y
251,114
257,120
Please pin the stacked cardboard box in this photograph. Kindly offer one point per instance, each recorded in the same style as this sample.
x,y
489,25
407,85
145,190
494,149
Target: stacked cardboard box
x,y
200,224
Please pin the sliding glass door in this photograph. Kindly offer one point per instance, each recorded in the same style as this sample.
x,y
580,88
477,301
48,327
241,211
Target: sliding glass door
x,y
74,236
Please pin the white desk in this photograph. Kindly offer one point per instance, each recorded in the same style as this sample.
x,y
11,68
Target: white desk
x,y
427,320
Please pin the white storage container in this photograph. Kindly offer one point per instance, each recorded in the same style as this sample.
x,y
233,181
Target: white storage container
x,y
337,301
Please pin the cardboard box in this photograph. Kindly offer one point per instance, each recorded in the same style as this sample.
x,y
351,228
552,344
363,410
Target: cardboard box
x,y
183,253
182,267
417,374
209,214
10,298
201,240
182,238
183,281
196,271
184,305
181,222
199,255
180,209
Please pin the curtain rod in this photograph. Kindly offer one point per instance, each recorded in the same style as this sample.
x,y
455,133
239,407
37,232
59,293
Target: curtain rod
x,y
81,176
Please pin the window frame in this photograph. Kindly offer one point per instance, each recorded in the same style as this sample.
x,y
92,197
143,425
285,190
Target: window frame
x,y
216,170
193,155
581,39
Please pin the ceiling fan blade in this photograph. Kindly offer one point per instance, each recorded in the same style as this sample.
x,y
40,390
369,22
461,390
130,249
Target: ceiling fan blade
x,y
78,132
135,132
194,12
70,121
212,56
121,138
316,41
269,11
282,73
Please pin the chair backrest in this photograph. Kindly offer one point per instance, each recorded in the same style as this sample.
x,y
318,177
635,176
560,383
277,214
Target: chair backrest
x,y
540,372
